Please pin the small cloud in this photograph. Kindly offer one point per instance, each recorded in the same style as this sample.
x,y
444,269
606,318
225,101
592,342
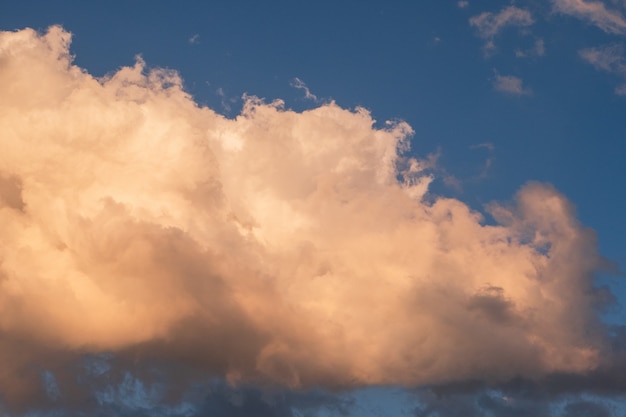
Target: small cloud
x,y
195,39
538,49
226,102
489,25
453,182
510,84
300,85
595,12
462,4
486,145
489,48
484,172
609,59
457,183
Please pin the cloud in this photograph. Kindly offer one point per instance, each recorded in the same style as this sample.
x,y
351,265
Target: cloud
x,y
195,39
510,84
485,145
489,24
595,12
456,183
278,248
610,59
462,4
538,49
225,101
300,85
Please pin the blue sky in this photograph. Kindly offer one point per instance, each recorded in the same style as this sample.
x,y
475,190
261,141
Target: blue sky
x,y
498,94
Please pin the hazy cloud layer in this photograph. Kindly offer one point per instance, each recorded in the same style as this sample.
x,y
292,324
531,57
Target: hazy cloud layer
x,y
278,247
595,12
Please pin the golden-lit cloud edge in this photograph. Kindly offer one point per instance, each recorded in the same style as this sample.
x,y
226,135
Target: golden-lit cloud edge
x,y
294,248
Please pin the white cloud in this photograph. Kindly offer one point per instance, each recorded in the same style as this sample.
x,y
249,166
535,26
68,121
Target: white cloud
x,y
596,12
510,84
300,85
462,4
276,246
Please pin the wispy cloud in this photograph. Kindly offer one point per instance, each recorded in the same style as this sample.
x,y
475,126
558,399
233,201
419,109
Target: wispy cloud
x,y
489,25
226,101
300,85
485,145
195,39
510,84
609,59
595,12
456,183
537,50
462,4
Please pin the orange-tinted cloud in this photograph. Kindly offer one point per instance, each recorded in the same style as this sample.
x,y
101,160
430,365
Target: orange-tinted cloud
x,y
277,246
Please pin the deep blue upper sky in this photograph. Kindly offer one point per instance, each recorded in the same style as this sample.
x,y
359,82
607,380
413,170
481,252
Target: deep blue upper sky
x,y
422,62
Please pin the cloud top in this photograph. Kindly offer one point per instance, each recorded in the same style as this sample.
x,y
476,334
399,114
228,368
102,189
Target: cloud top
x,y
289,248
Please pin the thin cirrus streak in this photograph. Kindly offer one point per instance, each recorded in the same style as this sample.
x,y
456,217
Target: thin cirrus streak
x,y
277,247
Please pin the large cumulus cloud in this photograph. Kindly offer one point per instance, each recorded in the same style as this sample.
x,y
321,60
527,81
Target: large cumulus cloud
x,y
297,249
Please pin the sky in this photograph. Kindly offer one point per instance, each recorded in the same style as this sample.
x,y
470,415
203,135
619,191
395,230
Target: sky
x,y
313,208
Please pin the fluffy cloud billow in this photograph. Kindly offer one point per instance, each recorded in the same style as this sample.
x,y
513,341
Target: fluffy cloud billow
x,y
278,247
